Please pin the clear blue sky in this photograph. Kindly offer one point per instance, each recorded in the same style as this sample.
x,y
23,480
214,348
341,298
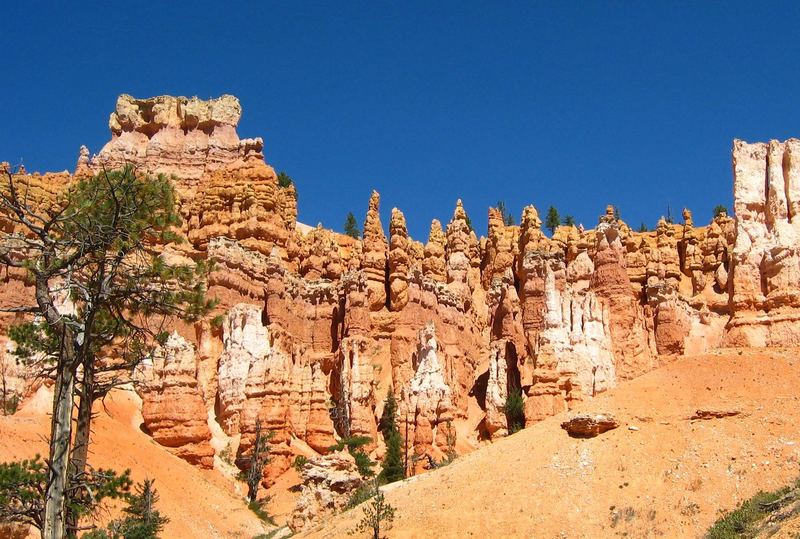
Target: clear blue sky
x,y
574,104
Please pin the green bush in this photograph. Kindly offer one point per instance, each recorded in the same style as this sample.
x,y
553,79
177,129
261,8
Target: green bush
x,y
360,495
257,507
284,180
9,404
364,464
299,462
742,521
353,444
378,515
23,485
515,411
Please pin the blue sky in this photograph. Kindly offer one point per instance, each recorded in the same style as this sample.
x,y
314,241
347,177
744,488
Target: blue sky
x,y
574,104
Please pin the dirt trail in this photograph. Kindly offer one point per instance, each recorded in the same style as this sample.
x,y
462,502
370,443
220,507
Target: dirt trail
x,y
660,474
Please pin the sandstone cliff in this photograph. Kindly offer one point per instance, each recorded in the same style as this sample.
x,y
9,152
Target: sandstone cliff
x,y
318,327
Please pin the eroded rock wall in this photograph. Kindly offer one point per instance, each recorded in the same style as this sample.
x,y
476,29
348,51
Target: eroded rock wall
x,y
318,327
765,297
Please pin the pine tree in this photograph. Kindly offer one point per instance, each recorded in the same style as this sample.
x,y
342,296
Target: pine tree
x,y
377,514
515,411
392,467
284,180
643,228
351,226
552,220
98,243
569,221
719,209
23,485
259,458
143,520
450,438
353,445
508,218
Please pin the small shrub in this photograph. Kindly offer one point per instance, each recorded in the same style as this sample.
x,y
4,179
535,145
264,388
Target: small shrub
x,y
742,521
257,507
363,493
217,321
284,180
226,455
10,404
719,210
353,443
299,462
515,411
274,533
450,437
378,514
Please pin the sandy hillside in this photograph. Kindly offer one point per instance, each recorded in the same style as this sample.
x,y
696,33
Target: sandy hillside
x,y
659,475
199,503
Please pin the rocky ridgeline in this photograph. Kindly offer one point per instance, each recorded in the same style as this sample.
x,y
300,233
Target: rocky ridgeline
x,y
319,326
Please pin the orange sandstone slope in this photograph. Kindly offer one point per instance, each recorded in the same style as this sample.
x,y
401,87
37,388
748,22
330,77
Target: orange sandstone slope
x,y
199,503
659,474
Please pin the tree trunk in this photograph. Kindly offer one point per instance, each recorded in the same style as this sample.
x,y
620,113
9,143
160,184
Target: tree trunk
x,y
80,448
60,439
61,422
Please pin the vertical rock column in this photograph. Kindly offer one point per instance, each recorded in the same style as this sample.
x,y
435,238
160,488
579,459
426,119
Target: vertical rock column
x,y
425,401
458,261
610,282
766,272
433,265
398,261
374,261
172,405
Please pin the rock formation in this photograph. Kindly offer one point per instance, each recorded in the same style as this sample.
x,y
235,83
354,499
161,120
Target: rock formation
x,y
426,397
180,136
765,297
433,263
327,485
317,327
374,259
588,426
398,261
173,409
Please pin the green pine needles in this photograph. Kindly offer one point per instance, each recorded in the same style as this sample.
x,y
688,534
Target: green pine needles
x,y
392,468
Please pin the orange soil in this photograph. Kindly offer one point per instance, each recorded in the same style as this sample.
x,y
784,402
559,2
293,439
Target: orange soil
x,y
199,503
669,478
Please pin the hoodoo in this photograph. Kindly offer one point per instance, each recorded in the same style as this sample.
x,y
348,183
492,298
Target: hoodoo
x,y
317,326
